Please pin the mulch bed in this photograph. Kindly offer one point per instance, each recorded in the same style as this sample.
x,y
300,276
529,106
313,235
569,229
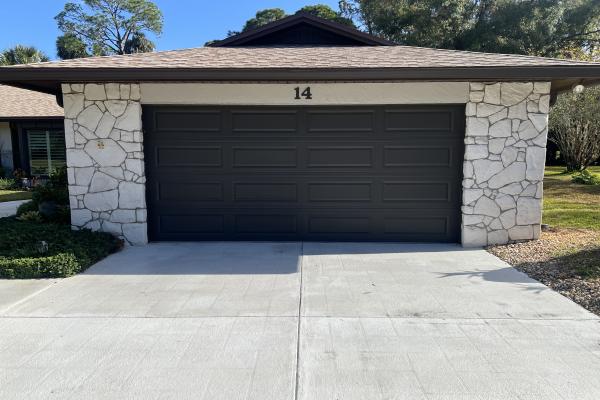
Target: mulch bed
x,y
566,260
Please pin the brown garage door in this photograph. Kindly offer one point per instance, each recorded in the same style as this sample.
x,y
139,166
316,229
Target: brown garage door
x,y
384,173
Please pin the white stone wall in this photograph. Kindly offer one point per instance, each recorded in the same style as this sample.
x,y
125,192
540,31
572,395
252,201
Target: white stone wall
x,y
105,159
505,150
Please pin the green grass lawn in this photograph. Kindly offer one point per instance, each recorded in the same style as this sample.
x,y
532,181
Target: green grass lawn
x,y
570,205
13,195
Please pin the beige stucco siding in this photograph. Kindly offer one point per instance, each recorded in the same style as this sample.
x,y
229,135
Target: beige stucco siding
x,y
322,93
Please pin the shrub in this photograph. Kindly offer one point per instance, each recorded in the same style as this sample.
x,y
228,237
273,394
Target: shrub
x,y
26,207
68,252
585,177
60,265
32,216
7,184
55,190
50,200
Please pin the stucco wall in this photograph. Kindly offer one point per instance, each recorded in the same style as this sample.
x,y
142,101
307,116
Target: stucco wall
x,y
105,159
506,133
6,156
355,93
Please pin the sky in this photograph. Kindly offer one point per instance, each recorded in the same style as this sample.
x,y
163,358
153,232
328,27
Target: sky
x,y
187,23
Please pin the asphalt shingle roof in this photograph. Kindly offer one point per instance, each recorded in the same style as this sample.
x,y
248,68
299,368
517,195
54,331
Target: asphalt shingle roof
x,y
22,103
309,57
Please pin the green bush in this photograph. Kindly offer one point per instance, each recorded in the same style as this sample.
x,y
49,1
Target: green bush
x,y
56,190
68,252
7,184
51,200
585,177
60,265
26,207
32,216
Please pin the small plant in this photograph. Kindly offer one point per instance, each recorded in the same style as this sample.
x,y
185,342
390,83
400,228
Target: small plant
x,y
26,207
30,216
585,177
54,190
19,174
50,200
7,184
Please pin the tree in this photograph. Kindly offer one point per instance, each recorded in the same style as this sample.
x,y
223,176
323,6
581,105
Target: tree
x,y
139,43
264,17
575,127
534,27
326,12
22,55
269,15
111,26
69,46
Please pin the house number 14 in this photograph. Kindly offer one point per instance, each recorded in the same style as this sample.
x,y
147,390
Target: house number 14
x,y
304,94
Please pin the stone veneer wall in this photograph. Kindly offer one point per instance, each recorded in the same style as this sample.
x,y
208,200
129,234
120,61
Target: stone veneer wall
x,y
105,159
505,151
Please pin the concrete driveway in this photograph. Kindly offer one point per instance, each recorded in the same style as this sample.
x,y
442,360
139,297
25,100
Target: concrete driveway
x,y
296,321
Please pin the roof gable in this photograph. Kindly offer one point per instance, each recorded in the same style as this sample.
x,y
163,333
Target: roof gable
x,y
300,30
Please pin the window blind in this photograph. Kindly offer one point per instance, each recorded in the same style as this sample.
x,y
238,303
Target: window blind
x,y
47,151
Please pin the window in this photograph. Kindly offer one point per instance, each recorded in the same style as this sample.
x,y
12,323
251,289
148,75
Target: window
x,y
47,151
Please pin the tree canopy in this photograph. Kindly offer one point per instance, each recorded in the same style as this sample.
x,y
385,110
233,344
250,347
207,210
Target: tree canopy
x,y
266,16
575,127
536,27
107,27
22,55
70,46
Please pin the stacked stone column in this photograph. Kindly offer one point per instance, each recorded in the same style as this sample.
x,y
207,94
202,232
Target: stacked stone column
x,y
105,159
505,150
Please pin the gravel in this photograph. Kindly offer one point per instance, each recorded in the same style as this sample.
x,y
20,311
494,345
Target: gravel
x,y
566,260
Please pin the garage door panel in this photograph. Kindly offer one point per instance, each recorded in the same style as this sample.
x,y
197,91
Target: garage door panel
x,y
191,224
265,192
340,156
366,225
330,191
422,121
315,173
177,156
268,156
266,224
186,121
271,121
416,191
376,192
422,225
338,225
412,156
340,121
189,192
